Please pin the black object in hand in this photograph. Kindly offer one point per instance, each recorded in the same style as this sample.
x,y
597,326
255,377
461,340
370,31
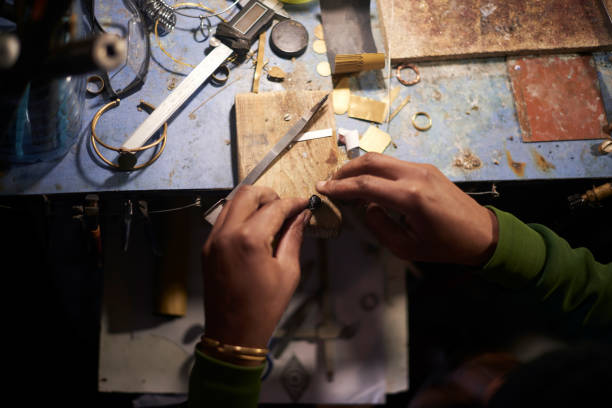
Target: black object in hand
x,y
314,202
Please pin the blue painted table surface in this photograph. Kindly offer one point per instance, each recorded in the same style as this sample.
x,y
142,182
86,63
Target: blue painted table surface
x,y
198,155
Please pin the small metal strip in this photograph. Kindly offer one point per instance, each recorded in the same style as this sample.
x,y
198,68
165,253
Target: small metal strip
x,y
176,99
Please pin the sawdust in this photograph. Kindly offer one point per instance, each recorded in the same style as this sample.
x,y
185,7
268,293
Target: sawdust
x,y
299,78
467,160
517,167
171,83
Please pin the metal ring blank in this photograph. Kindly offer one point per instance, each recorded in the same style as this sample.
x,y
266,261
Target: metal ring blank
x,y
398,74
422,128
98,82
225,70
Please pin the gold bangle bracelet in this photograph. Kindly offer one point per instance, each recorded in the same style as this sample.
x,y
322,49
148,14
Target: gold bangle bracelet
x,y
227,348
222,353
95,140
422,128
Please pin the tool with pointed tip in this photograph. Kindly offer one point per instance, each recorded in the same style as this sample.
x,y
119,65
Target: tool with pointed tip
x,y
213,212
237,35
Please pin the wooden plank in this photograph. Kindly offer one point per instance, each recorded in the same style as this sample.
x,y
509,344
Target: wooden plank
x,y
557,98
260,122
439,29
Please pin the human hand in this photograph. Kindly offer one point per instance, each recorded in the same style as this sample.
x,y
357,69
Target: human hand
x,y
439,222
248,280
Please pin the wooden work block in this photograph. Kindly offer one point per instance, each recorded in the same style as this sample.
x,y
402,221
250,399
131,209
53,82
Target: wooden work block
x,y
557,98
439,29
260,123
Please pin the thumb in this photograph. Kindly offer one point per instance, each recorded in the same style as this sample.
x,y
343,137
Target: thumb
x,y
288,250
387,231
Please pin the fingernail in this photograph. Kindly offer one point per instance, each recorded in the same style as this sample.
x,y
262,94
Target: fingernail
x,y
321,184
307,215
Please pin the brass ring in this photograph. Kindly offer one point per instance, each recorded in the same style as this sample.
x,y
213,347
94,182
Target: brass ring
x,y
422,128
398,74
224,69
95,140
98,82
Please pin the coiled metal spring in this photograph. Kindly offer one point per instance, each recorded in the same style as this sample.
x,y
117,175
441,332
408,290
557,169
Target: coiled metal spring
x,y
159,10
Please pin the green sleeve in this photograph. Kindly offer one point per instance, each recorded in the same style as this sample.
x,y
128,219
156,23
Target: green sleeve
x,y
534,257
214,383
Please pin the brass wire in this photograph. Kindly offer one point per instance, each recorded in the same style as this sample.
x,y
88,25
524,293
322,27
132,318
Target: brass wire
x,y
95,140
180,5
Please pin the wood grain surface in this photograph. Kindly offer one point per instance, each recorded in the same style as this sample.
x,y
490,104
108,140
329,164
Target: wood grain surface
x,y
421,30
260,123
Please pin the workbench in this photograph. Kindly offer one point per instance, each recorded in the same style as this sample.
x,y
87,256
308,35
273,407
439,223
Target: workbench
x,y
472,107
199,154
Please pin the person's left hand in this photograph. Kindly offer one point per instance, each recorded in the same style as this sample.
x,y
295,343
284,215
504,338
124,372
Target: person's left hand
x,y
251,265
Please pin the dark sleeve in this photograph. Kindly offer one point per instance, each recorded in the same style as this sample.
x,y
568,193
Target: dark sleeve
x,y
535,258
214,383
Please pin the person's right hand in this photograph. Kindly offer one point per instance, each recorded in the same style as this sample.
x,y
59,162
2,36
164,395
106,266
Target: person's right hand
x,y
439,222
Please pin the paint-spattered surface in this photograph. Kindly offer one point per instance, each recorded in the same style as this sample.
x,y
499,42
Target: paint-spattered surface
x,y
472,109
439,29
557,98
470,102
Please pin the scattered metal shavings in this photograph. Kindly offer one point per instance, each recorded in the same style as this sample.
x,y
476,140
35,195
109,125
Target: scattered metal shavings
x,y
541,162
605,147
318,32
276,74
227,142
287,117
374,140
367,109
341,96
517,167
324,69
467,160
172,83
319,47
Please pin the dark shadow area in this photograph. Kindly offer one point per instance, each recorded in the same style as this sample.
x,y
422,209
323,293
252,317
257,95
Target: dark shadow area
x,y
54,285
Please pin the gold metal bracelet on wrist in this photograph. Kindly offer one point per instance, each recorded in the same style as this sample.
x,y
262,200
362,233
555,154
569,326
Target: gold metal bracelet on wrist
x,y
228,348
219,352
95,140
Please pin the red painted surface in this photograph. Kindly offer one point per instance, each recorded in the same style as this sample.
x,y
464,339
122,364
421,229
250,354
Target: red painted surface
x,y
557,98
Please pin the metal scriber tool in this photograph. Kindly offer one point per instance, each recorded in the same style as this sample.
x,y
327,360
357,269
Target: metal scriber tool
x,y
213,212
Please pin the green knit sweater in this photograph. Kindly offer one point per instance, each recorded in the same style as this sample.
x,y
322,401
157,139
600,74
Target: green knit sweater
x,y
528,257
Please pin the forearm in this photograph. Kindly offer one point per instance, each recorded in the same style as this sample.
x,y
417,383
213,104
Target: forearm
x,y
534,257
214,383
